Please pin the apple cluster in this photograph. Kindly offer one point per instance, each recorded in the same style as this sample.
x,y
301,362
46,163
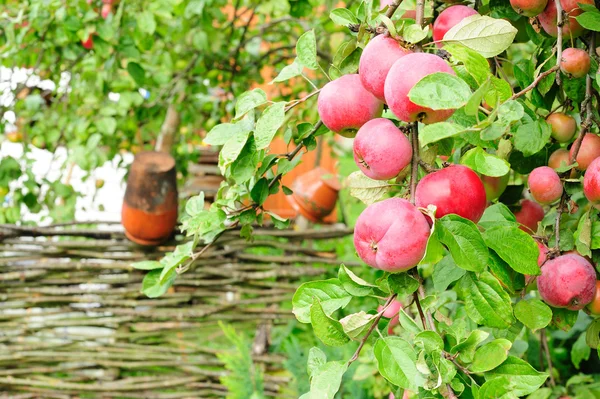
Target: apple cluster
x,y
392,234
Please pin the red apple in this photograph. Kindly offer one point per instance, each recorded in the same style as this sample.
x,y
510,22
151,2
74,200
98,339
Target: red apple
x,y
568,281
591,183
88,44
344,105
403,75
589,150
571,28
545,185
559,158
391,235
381,150
529,8
455,189
447,19
575,62
375,63
594,306
528,217
563,126
106,10
494,186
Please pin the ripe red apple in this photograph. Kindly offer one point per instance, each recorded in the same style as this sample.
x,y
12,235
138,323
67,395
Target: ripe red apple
x,y
594,306
563,126
494,186
106,10
455,189
391,235
591,183
589,150
529,8
447,19
375,63
545,185
88,44
559,158
568,281
575,62
543,253
528,217
381,150
403,75
571,28
344,105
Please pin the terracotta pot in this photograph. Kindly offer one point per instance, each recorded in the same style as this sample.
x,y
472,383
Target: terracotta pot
x,y
149,213
315,194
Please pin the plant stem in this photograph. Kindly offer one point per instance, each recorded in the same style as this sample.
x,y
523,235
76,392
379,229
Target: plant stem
x,y
559,212
373,326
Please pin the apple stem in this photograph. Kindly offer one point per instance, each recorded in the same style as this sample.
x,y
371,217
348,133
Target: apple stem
x,y
546,348
559,212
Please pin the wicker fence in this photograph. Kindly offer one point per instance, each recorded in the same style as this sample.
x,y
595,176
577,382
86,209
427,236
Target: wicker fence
x,y
73,322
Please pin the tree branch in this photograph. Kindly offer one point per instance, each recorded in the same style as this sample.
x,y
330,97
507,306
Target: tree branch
x,y
559,37
546,349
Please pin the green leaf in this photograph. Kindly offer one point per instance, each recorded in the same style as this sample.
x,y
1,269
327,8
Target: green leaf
x,y
289,71
496,214
260,191
414,33
515,247
508,278
484,163
396,361
146,22
268,124
488,36
531,137
232,149
534,313
222,133
472,106
445,273
137,73
475,64
486,302
589,20
592,335
328,330
279,222
402,284
366,189
430,341
510,111
356,325
152,286
330,293
490,355
316,359
466,349
580,351
464,242
107,125
326,381
563,318
306,50
498,388
342,16
147,265
355,285
195,205
523,377
440,91
248,101
438,131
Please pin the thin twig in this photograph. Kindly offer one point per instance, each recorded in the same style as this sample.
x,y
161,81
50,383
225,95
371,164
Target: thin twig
x,y
373,326
535,82
546,349
559,212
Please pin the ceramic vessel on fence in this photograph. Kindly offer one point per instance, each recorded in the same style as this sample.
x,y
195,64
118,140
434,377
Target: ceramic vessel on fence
x,y
315,194
149,213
